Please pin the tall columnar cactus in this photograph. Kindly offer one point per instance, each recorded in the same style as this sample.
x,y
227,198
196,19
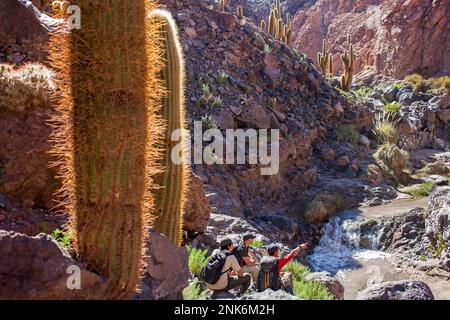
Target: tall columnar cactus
x,y
222,5
278,8
108,131
240,11
279,30
170,198
330,66
272,23
323,58
348,58
263,25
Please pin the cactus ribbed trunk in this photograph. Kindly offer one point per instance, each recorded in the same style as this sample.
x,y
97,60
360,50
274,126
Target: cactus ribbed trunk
x,y
106,131
170,197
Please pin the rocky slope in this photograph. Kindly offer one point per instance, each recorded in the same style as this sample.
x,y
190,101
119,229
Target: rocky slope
x,y
392,37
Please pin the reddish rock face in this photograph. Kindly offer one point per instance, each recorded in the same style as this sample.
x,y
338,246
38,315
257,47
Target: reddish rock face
x,y
392,37
197,208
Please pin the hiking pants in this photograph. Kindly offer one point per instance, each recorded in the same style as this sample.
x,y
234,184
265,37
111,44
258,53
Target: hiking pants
x,y
243,282
253,270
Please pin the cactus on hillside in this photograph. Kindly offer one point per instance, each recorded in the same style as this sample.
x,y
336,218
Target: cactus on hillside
x,y
330,66
272,23
108,131
240,11
323,58
348,58
222,5
263,25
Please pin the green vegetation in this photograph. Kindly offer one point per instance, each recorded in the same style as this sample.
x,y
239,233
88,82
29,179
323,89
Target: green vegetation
x,y
197,260
257,244
385,128
195,291
440,246
222,78
208,123
362,92
304,289
422,258
299,56
393,108
61,238
267,48
347,133
391,159
438,85
217,103
423,190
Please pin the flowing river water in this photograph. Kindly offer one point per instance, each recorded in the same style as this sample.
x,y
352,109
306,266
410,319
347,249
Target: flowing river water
x,y
354,259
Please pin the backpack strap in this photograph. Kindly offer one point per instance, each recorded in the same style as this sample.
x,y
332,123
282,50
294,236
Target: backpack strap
x,y
227,254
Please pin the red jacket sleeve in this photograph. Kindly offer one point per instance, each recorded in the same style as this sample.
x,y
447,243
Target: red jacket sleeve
x,y
283,261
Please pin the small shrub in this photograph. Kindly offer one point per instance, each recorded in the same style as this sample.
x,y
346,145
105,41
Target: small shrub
x,y
440,84
419,84
299,56
217,103
195,291
398,85
393,108
347,133
257,244
208,123
423,190
391,159
267,48
311,290
422,258
206,90
298,270
61,238
362,92
440,246
222,78
385,128
197,260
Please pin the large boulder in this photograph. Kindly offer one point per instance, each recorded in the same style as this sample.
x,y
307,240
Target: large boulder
x,y
197,208
22,24
332,284
323,206
397,290
167,272
38,268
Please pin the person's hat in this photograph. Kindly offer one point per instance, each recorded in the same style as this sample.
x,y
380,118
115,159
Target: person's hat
x,y
248,236
272,248
225,242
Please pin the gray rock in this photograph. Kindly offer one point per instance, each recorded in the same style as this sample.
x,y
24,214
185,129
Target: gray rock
x,y
397,290
389,93
406,98
332,284
167,272
375,103
269,294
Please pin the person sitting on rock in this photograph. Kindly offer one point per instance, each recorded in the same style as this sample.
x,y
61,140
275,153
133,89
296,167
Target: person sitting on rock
x,y
231,275
246,259
270,275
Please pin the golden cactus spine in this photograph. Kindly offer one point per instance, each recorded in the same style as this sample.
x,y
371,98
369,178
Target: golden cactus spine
x,y
105,136
348,58
170,197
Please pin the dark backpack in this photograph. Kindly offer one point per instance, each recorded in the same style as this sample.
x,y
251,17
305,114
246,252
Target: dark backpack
x,y
268,276
212,271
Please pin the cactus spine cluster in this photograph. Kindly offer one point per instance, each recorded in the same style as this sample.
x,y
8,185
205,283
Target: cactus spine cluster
x,y
325,60
170,198
348,58
108,134
240,12
276,27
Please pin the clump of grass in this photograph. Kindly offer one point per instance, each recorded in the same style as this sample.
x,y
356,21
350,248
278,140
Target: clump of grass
x,y
298,270
423,190
392,108
311,290
439,247
391,159
418,82
217,103
422,258
195,291
347,133
209,123
197,260
61,238
222,78
25,88
267,48
257,244
298,55
362,92
440,84
385,128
